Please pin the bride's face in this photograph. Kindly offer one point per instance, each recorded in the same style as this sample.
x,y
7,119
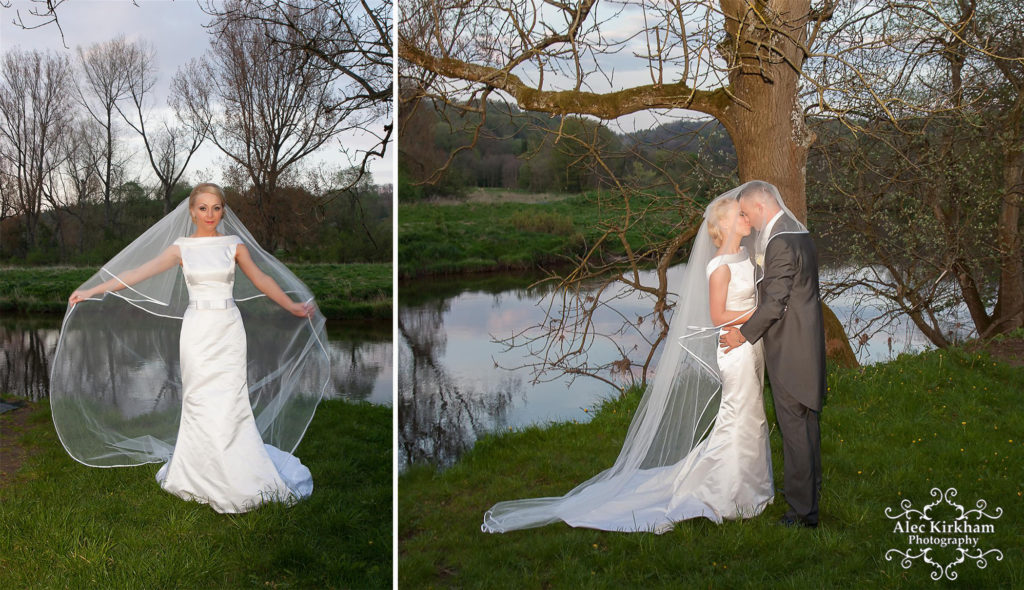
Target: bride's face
x,y
735,221
207,211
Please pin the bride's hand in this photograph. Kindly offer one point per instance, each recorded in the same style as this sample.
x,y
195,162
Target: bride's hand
x,y
302,310
78,296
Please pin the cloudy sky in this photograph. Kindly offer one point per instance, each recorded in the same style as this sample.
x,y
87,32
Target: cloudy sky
x,y
176,31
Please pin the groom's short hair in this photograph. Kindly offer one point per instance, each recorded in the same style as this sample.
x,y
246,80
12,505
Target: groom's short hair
x,y
756,188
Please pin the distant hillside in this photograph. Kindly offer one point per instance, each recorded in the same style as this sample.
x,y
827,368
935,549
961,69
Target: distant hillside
x,y
536,152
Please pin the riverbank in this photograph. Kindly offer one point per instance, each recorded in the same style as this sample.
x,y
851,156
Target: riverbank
x,y
343,291
890,432
66,525
512,233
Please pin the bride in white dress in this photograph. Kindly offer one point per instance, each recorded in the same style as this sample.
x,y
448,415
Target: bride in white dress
x,y
219,456
698,444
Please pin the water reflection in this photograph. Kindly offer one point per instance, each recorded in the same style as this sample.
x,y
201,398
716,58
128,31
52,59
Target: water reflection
x,y
453,384
452,388
441,414
361,357
27,346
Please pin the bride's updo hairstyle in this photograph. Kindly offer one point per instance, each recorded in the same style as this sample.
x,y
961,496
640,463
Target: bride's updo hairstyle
x,y
715,215
205,187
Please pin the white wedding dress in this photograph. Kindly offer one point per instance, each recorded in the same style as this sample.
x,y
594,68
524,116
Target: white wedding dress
x,y
728,475
219,457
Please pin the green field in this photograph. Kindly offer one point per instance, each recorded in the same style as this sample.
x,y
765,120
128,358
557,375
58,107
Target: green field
x,y
64,525
890,433
343,291
496,236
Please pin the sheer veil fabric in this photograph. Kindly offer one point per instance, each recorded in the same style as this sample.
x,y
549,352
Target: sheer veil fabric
x,y
115,386
676,412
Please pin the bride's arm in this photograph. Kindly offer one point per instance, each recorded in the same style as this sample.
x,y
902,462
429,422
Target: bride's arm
x,y
269,286
718,290
166,260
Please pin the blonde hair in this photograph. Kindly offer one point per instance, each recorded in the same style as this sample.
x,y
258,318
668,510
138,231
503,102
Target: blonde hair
x,y
715,214
205,187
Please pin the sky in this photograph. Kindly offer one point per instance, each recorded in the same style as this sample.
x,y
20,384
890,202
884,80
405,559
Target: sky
x,y
176,31
619,28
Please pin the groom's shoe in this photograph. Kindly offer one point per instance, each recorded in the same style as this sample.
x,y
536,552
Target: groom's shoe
x,y
788,521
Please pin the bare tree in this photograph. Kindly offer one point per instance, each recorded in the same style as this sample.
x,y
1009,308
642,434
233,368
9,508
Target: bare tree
x,y
349,39
169,145
79,183
103,82
267,108
943,174
34,114
740,63
761,69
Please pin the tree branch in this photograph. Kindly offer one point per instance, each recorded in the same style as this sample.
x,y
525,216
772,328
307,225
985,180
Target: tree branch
x,y
604,106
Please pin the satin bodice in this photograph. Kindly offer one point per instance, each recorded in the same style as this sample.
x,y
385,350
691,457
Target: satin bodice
x,y
209,266
741,295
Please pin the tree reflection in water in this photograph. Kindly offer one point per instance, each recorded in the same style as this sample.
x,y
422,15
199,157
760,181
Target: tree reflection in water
x,y
360,359
26,350
439,418
357,367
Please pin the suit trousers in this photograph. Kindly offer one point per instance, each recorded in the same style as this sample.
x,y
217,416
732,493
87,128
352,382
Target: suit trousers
x,y
801,455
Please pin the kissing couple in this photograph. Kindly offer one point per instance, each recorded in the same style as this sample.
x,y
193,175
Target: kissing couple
x,y
698,444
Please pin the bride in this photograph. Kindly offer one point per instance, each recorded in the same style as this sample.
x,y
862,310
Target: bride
x,y
698,443
223,411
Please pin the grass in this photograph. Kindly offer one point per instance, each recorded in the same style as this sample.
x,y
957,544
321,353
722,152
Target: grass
x,y
481,237
889,432
349,291
343,291
64,525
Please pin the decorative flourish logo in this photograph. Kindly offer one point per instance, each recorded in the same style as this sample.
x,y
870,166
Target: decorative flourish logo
x,y
927,531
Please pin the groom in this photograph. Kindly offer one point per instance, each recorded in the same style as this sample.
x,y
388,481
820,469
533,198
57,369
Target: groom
x,y
789,319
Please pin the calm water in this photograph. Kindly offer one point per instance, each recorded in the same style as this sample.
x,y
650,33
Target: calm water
x,y
456,382
360,353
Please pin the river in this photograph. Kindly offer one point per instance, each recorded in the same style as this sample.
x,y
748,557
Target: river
x,y
457,381
361,358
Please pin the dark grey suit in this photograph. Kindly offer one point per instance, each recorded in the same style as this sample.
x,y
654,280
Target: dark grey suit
x,y
789,319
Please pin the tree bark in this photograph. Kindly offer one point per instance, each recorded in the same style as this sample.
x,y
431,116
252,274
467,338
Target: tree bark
x,y
1009,310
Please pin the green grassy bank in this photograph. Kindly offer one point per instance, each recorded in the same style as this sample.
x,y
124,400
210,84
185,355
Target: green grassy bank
x,y
343,291
889,433
497,236
64,525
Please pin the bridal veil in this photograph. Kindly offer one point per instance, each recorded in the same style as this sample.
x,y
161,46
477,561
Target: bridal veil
x,y
675,413
115,386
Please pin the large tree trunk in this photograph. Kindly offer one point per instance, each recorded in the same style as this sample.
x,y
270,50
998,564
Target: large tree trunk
x,y
765,121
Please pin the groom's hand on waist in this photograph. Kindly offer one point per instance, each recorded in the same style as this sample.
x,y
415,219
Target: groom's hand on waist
x,y
731,338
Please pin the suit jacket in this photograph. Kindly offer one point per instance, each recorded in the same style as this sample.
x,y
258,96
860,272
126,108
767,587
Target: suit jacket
x,y
789,317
